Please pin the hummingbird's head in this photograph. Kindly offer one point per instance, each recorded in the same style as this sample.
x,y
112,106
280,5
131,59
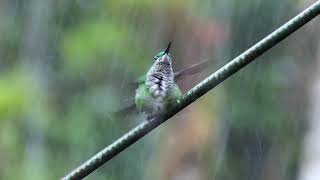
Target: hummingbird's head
x,y
164,56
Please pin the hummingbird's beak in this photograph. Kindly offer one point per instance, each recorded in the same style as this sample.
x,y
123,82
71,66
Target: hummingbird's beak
x,y
168,48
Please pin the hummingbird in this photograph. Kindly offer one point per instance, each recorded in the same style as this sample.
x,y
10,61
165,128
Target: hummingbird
x,y
157,91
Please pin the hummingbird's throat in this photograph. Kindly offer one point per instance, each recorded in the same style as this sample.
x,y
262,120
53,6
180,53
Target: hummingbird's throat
x,y
166,58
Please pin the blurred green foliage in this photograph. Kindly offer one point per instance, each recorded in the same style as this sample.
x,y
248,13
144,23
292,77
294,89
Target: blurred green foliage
x,y
90,48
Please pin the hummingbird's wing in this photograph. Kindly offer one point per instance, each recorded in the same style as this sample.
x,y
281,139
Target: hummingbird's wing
x,y
140,80
130,108
191,70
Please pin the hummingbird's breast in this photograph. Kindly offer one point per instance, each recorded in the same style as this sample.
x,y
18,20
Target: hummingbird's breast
x,y
160,79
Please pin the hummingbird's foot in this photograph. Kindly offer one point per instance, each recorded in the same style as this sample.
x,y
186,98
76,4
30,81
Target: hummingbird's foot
x,y
150,117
